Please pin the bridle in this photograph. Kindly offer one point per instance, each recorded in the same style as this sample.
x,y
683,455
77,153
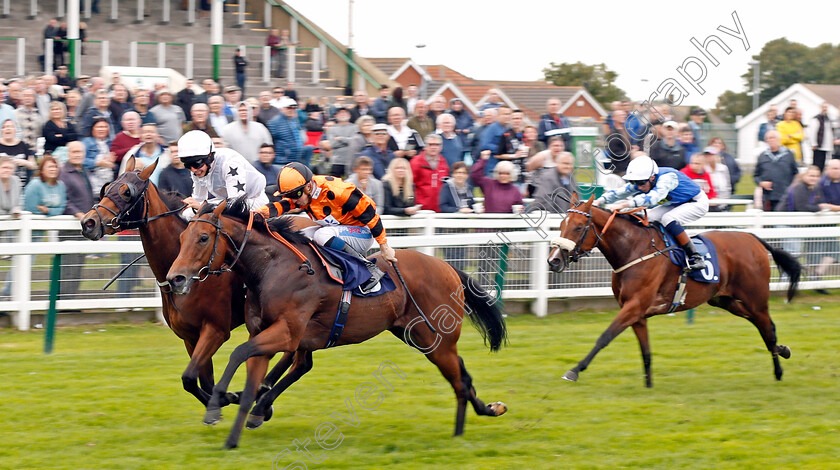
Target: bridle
x,y
125,208
220,230
578,252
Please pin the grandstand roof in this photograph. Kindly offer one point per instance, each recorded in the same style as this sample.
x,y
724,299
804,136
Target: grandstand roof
x,y
389,65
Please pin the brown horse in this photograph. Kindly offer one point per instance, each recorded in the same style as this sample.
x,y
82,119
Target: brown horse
x,y
298,306
202,320
645,288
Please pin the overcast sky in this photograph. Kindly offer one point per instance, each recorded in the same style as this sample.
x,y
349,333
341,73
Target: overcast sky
x,y
643,42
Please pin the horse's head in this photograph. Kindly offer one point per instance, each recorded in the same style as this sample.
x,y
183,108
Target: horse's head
x,y
577,236
204,245
120,206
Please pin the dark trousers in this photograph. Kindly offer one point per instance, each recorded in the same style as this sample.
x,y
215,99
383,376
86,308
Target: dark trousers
x,y
819,158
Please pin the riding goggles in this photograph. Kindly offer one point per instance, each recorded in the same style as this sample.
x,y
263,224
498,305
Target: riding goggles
x,y
294,193
195,162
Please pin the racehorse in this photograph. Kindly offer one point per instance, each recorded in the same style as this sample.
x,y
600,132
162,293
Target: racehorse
x,y
202,320
298,305
644,283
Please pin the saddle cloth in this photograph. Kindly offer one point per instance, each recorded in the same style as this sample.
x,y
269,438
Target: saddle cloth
x,y
350,271
711,273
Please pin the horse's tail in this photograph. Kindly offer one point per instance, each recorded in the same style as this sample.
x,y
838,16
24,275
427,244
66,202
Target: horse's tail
x,y
787,264
484,312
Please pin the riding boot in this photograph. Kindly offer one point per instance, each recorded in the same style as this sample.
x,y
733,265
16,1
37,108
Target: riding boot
x,y
375,273
695,260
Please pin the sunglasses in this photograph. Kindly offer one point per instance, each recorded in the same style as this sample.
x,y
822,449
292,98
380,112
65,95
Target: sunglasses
x,y
639,182
295,194
194,163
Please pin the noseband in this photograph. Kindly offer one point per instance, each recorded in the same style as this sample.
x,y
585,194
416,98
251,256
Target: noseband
x,y
124,208
577,252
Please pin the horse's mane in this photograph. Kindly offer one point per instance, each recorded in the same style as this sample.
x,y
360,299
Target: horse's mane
x,y
171,199
628,217
238,209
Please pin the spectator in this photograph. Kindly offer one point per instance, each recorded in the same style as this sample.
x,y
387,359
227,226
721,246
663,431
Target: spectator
x,y
57,131
119,104
71,100
64,80
728,160
99,161
405,142
29,119
829,188
210,88
266,165
397,100
46,194
696,171
200,112
286,132
774,171
804,195
245,135
463,121
668,152
553,123
240,63
176,178
420,122
101,109
429,169
687,142
10,188
695,123
452,149
500,195
553,188
185,98
14,148
511,147
169,117
719,176
128,138
791,133
493,101
823,137
89,96
436,108
277,95
410,99
148,151
279,48
456,195
361,108
491,138
233,95
141,107
379,110
272,41
772,120
6,111
14,94
364,138
217,117
338,141
79,202
486,118
290,91
379,153
539,162
267,111
42,98
399,189
363,178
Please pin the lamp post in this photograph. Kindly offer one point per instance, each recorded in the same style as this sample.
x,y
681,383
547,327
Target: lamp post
x,y
756,91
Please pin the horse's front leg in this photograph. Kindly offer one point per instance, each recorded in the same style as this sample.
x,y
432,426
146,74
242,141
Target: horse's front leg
x,y
201,354
640,328
257,367
262,411
630,313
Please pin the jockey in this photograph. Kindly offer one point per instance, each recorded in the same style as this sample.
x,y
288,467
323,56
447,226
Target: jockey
x,y
222,172
670,196
348,217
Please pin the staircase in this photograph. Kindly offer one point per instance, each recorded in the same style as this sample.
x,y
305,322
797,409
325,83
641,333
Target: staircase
x,y
121,33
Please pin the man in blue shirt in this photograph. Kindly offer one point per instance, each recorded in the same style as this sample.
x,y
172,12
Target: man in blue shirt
x,y
492,136
286,132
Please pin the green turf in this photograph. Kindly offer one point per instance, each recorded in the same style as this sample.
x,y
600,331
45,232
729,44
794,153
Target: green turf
x,y
113,399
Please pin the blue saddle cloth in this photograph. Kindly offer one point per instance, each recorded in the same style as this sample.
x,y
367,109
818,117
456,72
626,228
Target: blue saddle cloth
x,y
711,273
356,273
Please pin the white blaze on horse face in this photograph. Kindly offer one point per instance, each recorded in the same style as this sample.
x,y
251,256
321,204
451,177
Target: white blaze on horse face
x,y
563,243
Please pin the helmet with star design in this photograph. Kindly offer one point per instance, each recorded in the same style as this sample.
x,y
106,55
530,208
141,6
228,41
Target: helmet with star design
x,y
195,149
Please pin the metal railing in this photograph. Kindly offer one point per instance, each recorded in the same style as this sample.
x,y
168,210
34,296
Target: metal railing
x,y
475,244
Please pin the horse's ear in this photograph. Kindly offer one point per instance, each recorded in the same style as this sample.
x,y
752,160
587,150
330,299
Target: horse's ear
x,y
575,199
129,165
220,208
147,172
588,204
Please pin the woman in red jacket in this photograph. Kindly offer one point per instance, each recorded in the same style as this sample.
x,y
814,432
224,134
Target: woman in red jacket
x,y
429,169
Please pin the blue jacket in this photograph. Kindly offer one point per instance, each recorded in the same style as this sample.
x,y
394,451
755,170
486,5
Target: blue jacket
x,y
548,128
91,152
450,200
489,140
381,159
671,188
288,142
463,121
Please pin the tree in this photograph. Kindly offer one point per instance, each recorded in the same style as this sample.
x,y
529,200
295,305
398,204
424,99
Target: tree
x,y
731,104
597,79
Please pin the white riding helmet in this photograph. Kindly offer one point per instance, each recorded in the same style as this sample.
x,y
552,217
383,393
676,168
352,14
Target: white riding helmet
x,y
641,168
195,143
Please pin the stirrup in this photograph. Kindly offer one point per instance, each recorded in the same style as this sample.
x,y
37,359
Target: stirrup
x,y
376,275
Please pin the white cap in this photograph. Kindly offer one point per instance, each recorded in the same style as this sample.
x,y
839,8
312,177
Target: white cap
x,y
285,102
195,143
639,168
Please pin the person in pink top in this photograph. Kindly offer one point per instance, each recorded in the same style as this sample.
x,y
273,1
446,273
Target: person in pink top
x,y
500,194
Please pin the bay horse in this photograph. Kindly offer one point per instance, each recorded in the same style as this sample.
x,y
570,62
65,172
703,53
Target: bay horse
x,y
646,288
202,320
297,309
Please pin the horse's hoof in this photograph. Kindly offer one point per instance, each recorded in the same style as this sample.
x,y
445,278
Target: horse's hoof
x,y
571,376
230,445
254,421
212,416
783,351
497,409
232,398
269,413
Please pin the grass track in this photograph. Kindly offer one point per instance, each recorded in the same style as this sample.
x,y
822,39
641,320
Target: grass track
x,y
113,399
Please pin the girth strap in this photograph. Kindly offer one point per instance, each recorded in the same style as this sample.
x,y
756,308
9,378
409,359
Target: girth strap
x,y
340,319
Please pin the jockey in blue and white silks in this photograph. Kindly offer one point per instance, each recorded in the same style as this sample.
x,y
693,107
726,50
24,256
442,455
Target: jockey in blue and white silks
x,y
670,196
